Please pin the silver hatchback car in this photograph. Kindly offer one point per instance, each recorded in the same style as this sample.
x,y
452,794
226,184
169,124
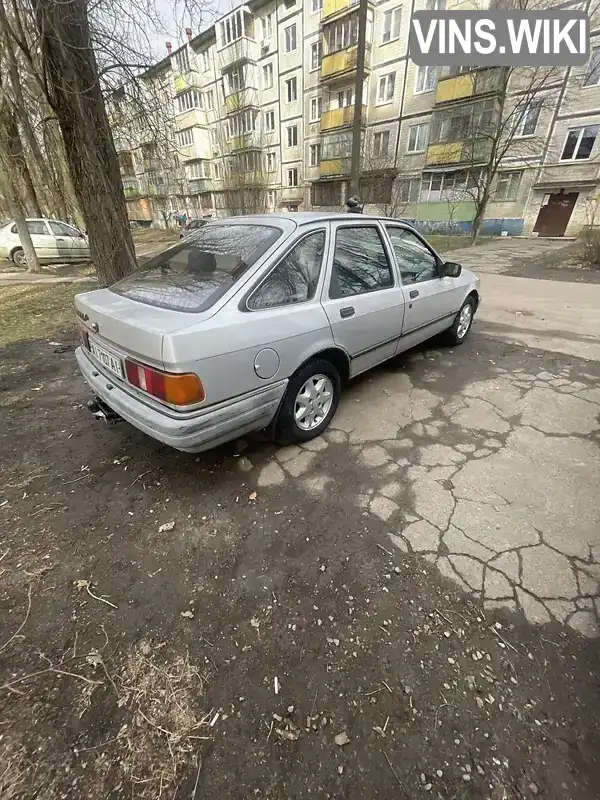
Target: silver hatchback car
x,y
257,322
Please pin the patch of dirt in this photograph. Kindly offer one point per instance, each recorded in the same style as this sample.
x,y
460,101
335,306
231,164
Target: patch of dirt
x,y
563,264
266,627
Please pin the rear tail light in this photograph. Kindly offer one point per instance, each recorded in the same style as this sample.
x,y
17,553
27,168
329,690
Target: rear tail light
x,y
85,339
178,389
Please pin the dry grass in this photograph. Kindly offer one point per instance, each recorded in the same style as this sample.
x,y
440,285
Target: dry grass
x,y
31,311
16,772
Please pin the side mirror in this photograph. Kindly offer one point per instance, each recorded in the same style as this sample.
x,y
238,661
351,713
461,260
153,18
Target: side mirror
x,y
450,269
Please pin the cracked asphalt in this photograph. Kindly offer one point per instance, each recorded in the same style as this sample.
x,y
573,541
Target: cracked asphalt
x,y
483,461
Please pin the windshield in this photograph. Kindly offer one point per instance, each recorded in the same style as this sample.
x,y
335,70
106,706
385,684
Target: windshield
x,y
193,275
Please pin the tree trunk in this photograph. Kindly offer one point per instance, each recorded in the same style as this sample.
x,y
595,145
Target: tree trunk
x,y
75,95
17,162
8,189
481,207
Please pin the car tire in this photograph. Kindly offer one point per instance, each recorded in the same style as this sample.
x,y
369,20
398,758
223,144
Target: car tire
x,y
18,257
462,323
324,379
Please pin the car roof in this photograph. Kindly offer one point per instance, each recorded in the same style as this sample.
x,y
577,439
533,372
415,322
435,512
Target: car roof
x,y
306,217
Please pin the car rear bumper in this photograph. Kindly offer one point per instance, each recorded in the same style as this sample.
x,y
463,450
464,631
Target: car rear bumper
x,y
191,433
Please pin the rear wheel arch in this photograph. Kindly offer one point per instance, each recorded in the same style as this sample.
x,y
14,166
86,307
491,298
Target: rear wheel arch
x,y
339,359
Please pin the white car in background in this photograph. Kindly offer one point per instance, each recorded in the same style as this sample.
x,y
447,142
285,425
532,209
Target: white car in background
x,y
55,242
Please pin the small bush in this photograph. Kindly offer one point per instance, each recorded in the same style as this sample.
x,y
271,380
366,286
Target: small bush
x,y
589,247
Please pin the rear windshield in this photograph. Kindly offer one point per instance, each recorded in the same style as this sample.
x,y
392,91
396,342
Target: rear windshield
x,y
193,275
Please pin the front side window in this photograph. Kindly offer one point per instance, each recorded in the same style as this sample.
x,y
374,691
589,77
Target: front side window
x,y
417,263
60,229
193,275
579,143
360,263
295,278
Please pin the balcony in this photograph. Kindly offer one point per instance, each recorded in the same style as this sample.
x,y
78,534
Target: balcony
x,y
470,84
152,164
340,118
243,49
470,152
334,167
337,8
341,64
190,79
187,119
200,185
132,189
244,98
245,141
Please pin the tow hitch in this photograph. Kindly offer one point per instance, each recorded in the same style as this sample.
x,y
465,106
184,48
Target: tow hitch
x,y
102,411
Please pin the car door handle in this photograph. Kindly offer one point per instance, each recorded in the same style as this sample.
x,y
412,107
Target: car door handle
x,y
347,312
413,293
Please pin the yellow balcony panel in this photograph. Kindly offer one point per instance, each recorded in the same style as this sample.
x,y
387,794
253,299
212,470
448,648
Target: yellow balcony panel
x,y
334,166
186,80
239,100
339,118
342,62
455,88
338,7
447,153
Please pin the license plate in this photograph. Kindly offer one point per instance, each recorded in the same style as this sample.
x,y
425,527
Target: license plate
x,y
106,359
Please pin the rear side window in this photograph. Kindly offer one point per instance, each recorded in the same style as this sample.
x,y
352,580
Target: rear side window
x,y
295,278
36,227
193,275
360,263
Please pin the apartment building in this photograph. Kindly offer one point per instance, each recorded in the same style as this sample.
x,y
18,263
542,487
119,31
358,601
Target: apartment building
x,y
256,112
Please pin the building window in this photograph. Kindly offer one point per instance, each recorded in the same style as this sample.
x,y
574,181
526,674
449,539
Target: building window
x,y
443,186
292,136
240,124
425,80
271,163
592,77
342,34
217,169
182,59
199,169
391,25
527,119
507,185
271,199
269,121
292,177
316,55
185,137
235,79
345,98
316,6
267,72
188,100
381,143
328,193
205,60
435,5
234,27
417,138
210,99
386,87
291,90
579,143
289,3
316,108
314,155
290,38
267,26
408,190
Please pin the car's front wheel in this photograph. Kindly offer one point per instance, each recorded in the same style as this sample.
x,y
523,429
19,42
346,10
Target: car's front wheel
x,y
18,257
462,323
310,402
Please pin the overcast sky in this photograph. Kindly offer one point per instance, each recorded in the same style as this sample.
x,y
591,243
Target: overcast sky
x,y
176,18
